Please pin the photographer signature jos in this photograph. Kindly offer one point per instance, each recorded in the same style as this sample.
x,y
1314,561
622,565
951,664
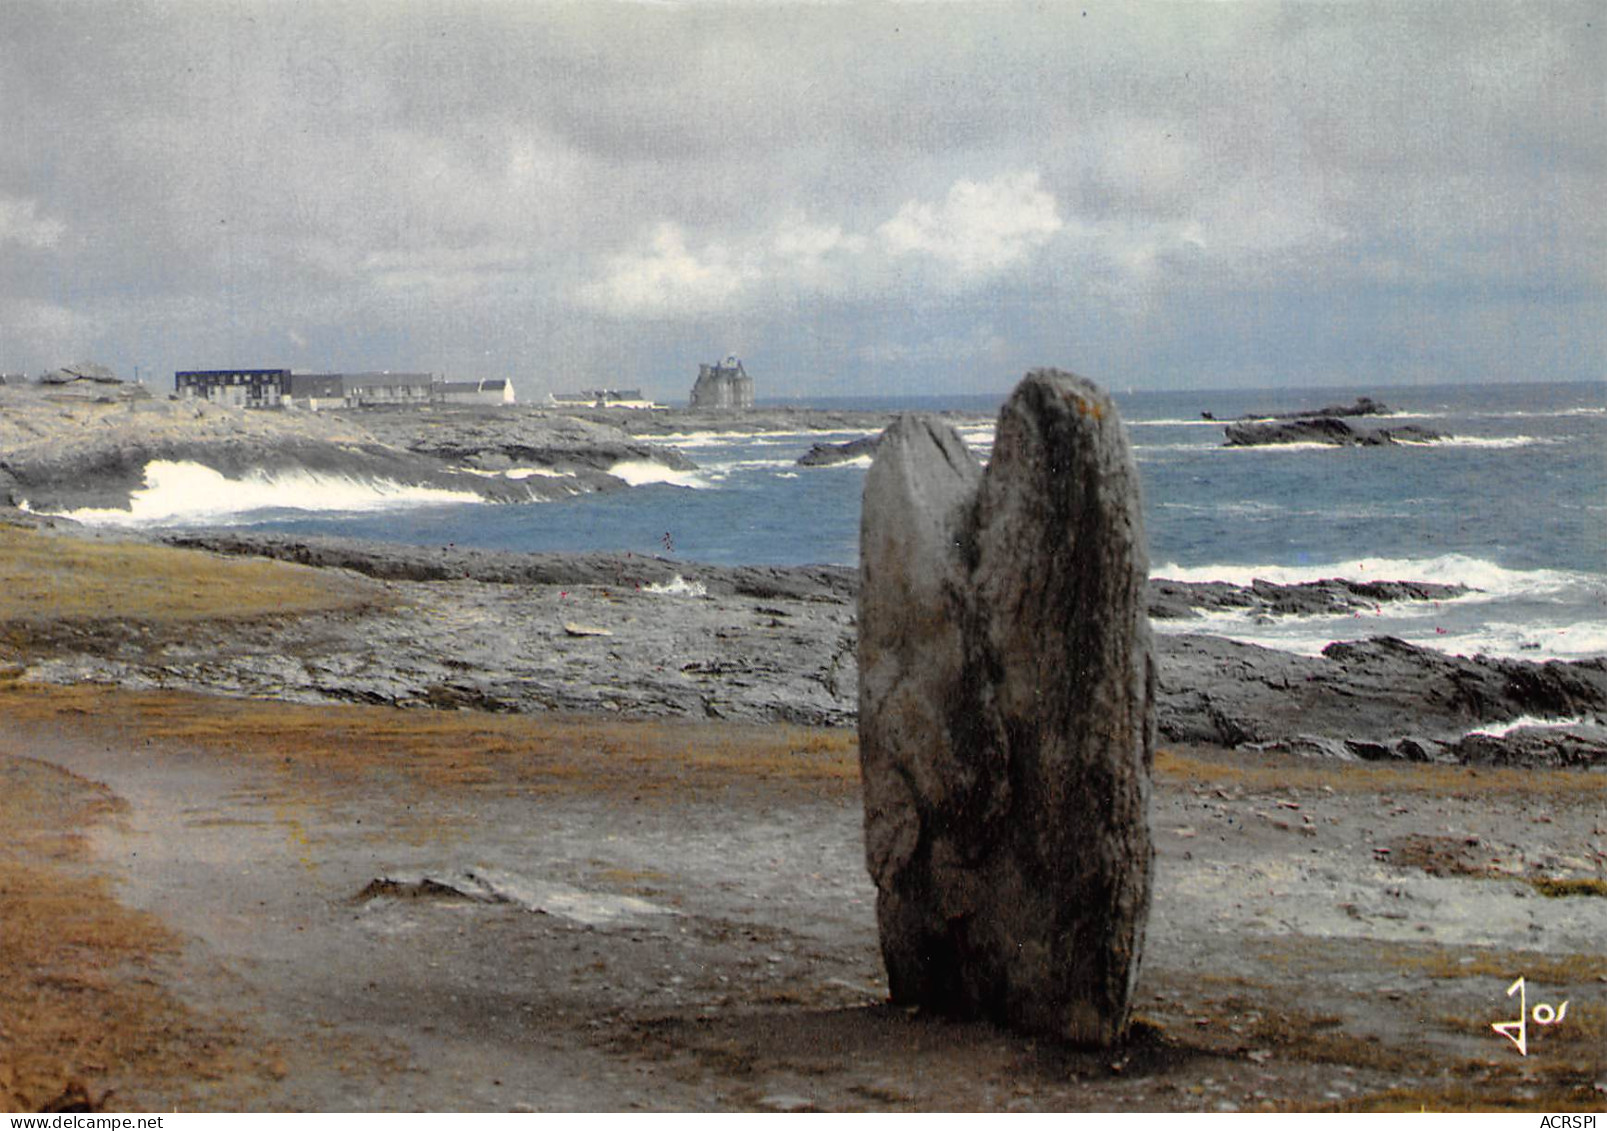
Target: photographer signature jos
x,y
1518,1031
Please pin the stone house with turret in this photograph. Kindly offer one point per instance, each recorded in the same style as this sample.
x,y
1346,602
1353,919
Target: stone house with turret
x,y
723,386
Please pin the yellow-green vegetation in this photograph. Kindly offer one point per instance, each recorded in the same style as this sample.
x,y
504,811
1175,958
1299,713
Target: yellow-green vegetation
x,y
1557,889
1306,955
1274,775
459,749
53,577
80,1013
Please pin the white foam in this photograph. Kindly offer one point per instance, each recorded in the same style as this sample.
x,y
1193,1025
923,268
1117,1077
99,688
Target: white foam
x,y
727,466
517,473
677,586
640,472
1422,623
1506,640
1448,569
758,439
1501,730
1520,414
185,493
1192,423
857,461
1478,442
1298,446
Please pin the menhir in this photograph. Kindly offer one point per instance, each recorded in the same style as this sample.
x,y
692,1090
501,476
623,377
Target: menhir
x,y
1006,714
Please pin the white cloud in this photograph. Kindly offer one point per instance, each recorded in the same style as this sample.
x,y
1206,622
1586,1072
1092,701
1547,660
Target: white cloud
x,y
978,232
668,279
979,229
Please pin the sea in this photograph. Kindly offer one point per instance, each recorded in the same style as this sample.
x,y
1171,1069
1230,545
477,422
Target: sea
x,y
1514,506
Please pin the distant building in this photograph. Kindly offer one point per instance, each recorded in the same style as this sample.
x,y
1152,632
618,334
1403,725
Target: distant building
x,y
723,386
366,390
603,398
491,391
280,388
315,391
237,388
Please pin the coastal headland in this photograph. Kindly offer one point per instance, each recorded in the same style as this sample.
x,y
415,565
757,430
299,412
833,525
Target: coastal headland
x,y
312,823
62,451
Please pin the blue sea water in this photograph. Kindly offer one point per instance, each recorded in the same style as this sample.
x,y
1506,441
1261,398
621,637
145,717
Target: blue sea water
x,y
1515,506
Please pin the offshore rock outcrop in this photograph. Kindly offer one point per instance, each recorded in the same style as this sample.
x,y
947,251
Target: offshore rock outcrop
x,y
1325,430
1006,714
827,455
1362,406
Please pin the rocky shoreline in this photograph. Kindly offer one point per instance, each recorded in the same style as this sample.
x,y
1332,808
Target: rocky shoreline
x,y
61,452
654,637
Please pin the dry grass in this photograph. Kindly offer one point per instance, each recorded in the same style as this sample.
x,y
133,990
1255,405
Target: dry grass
x,y
1302,955
460,749
1275,775
1558,889
81,1013
53,578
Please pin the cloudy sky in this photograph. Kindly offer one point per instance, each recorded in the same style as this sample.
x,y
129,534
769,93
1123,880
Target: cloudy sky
x,y
856,198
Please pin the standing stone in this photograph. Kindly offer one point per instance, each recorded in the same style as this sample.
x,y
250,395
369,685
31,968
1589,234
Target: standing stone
x,y
1006,714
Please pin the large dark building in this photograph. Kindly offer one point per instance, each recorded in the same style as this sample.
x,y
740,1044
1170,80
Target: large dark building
x,y
723,385
240,388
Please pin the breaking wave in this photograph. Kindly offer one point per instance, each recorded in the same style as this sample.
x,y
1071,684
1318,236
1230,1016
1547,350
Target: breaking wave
x,y
183,493
1501,730
640,472
1538,614
677,586
1480,442
1447,569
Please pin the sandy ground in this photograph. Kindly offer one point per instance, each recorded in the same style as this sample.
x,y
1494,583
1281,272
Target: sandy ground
x,y
373,939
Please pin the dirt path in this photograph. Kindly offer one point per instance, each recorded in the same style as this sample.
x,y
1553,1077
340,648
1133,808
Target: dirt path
x,y
486,945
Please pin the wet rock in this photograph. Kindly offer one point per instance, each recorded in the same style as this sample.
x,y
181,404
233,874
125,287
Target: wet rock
x,y
1361,406
1375,699
1174,600
495,439
826,455
1006,715
1325,430
83,371
389,561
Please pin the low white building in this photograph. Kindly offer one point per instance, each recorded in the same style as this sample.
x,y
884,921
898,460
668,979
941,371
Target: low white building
x,y
366,389
490,391
604,398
